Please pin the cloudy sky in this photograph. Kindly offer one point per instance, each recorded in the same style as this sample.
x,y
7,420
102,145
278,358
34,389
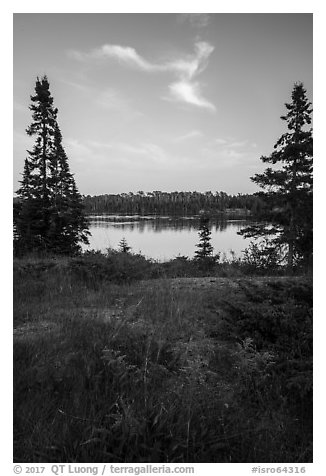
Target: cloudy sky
x,y
162,101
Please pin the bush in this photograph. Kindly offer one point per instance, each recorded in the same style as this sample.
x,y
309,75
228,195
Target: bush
x,y
274,327
262,256
94,267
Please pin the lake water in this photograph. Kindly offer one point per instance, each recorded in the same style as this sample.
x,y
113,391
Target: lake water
x,y
164,238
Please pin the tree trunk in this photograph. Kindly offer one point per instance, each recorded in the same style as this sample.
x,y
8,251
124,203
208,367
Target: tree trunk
x,y
290,257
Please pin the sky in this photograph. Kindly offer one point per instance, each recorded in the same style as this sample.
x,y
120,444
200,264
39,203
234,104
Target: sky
x,y
162,101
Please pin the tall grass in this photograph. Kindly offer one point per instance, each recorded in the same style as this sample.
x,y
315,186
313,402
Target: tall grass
x,y
146,371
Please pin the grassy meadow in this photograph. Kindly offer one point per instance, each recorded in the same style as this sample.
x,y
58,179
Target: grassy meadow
x,y
117,359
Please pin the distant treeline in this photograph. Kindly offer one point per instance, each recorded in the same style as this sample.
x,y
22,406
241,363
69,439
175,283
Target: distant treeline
x,y
174,203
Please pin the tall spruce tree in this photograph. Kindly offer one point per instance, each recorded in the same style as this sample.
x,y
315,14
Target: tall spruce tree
x,y
288,191
49,213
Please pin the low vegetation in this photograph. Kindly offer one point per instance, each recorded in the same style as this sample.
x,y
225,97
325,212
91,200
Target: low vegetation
x,y
113,365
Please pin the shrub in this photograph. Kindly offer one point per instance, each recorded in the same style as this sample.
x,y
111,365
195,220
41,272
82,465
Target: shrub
x,y
118,267
261,257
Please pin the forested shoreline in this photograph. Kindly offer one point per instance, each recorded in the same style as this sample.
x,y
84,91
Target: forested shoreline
x,y
174,203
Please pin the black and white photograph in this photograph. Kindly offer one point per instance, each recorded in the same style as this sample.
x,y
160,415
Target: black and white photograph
x,y
162,240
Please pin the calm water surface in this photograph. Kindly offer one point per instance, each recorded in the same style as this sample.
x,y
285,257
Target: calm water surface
x,y
164,238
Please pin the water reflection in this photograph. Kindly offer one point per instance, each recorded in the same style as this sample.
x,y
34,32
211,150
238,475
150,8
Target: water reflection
x,y
165,237
159,224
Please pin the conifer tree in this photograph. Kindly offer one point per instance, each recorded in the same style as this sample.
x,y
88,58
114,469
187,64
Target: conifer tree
x,y
205,248
68,225
49,215
288,191
123,246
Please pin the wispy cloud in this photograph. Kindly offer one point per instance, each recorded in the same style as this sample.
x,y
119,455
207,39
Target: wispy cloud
x,y
231,142
189,135
109,99
228,152
198,20
146,149
220,141
125,54
186,69
189,92
77,150
113,100
76,85
186,89
238,144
